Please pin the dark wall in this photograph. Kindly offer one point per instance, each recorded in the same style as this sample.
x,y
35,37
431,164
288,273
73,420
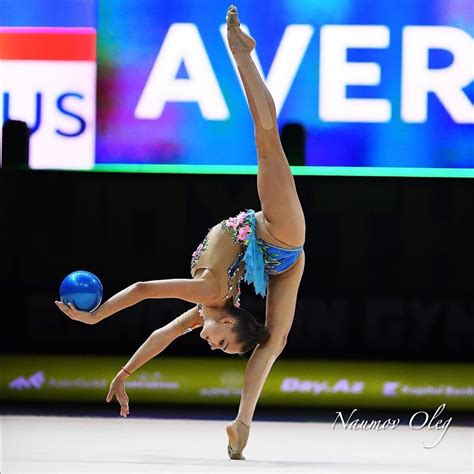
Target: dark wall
x,y
388,273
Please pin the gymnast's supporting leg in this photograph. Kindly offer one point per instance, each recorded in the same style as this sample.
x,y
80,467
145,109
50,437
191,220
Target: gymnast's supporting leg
x,y
282,294
284,219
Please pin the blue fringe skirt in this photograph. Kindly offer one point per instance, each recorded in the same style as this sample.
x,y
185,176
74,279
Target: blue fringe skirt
x,y
263,259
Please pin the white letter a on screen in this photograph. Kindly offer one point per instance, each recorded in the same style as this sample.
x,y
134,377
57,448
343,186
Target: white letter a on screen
x,y
182,44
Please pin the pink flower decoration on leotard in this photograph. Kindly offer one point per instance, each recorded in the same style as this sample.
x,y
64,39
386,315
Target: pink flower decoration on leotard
x,y
196,252
243,233
231,222
237,297
241,217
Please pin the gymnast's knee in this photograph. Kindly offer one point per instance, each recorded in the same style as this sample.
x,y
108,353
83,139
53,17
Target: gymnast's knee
x,y
267,141
276,344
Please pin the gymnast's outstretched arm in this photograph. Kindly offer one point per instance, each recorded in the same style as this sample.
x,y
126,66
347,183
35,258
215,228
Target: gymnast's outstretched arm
x,y
199,290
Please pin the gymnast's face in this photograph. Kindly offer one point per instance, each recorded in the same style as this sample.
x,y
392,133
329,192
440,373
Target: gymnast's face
x,y
217,330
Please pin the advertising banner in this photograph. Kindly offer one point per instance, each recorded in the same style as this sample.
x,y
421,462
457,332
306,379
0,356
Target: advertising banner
x,y
291,383
48,75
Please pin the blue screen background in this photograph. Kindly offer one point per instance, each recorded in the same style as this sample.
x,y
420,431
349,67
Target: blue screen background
x,y
130,35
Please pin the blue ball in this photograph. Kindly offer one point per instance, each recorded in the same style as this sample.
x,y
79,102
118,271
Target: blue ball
x,y
82,289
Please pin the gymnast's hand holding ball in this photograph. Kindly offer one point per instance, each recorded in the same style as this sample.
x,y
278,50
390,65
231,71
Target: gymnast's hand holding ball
x,y
80,294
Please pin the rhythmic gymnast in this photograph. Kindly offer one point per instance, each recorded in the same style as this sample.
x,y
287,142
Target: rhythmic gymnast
x,y
264,247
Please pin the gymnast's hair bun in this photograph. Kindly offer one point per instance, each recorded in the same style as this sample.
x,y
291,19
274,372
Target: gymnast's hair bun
x,y
262,334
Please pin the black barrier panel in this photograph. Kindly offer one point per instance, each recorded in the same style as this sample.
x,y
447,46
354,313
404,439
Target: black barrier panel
x,y
15,144
388,260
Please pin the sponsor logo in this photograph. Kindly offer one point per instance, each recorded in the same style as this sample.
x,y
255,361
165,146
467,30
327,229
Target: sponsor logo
x,y
80,382
232,378
153,382
318,387
390,389
220,392
35,381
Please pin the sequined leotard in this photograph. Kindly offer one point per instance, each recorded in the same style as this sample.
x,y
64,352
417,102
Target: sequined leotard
x,y
232,251
222,253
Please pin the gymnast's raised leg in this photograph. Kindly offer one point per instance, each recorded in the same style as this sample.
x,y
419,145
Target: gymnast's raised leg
x,y
281,207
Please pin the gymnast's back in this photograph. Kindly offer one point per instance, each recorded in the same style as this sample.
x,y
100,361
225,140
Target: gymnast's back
x,y
221,252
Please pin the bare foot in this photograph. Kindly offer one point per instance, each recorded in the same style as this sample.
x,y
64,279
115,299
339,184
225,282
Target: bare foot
x,y
239,42
238,433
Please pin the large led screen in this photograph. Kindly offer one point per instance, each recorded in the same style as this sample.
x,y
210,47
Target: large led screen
x,y
374,88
